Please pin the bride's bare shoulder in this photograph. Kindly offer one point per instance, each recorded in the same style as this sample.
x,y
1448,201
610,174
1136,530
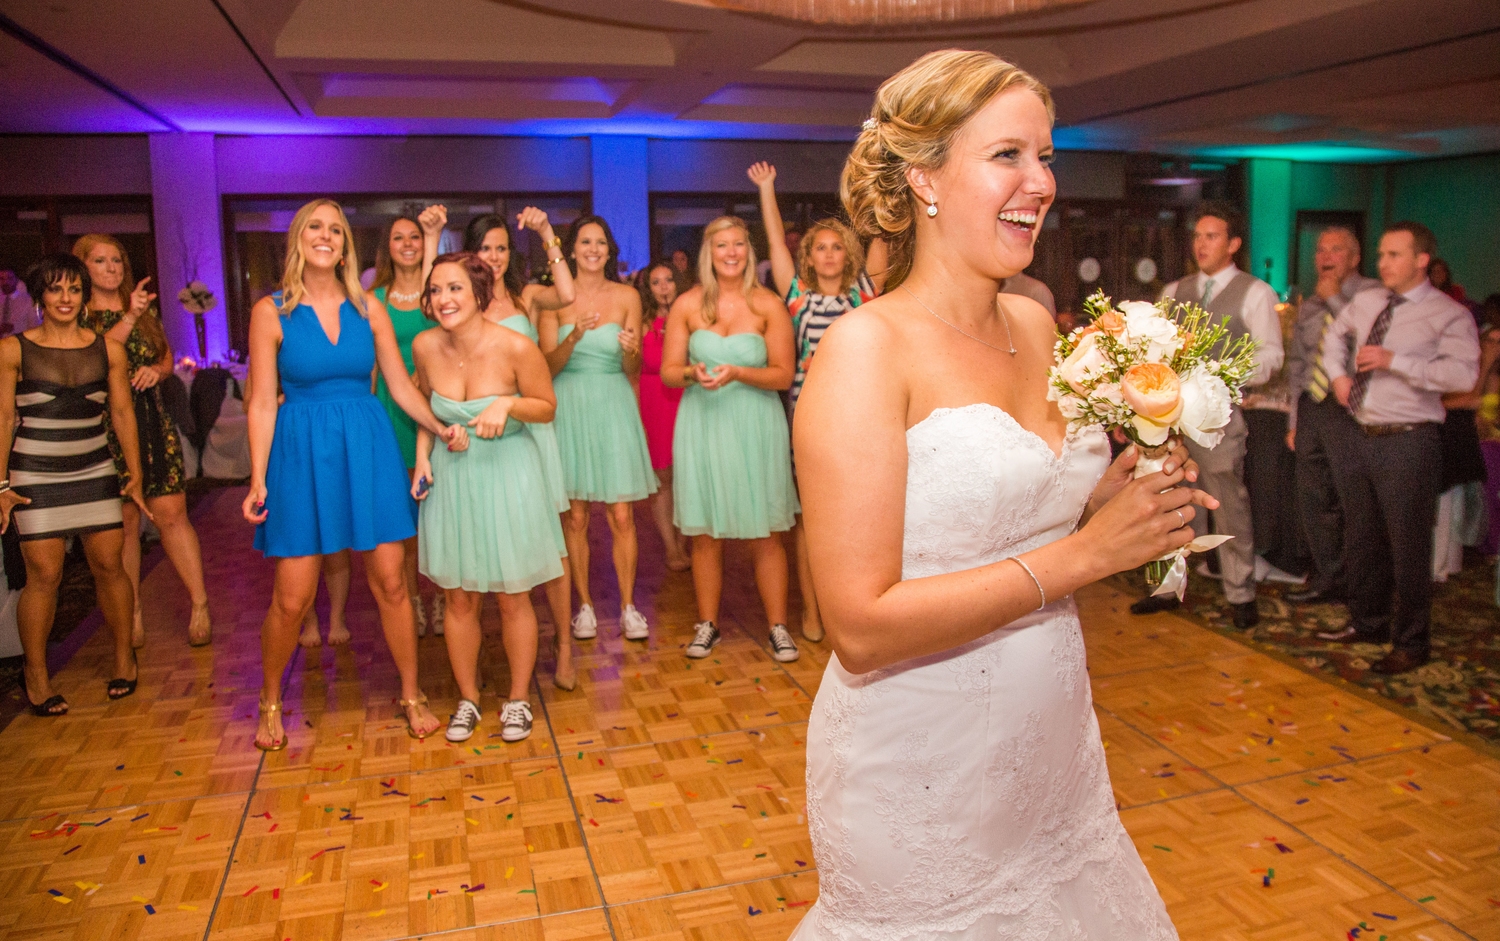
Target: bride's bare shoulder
x,y
870,330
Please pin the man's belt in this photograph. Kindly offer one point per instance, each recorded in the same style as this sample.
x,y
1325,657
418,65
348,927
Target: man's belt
x,y
1381,431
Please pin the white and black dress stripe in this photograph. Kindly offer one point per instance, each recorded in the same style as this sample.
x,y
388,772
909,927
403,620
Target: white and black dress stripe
x,y
60,459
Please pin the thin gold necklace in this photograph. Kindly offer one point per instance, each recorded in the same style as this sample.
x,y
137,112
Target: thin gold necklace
x,y
1001,310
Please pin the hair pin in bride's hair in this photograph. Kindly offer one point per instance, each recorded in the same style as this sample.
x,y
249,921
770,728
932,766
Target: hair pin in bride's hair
x,y
869,124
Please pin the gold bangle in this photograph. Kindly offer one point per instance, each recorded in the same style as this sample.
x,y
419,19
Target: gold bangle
x,y
556,261
554,242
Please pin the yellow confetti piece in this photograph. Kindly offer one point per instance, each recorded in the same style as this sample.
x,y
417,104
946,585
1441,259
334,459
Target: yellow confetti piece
x,y
305,876
137,898
379,913
381,887
419,856
85,886
472,820
1162,791
509,871
747,844
530,848
187,908
63,899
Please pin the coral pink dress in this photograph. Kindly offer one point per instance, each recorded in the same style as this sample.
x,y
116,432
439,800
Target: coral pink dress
x,y
658,401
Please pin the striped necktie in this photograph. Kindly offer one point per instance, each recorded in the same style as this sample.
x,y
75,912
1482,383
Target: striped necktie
x,y
1317,386
1376,336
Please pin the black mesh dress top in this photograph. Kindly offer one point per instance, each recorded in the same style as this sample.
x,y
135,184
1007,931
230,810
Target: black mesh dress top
x,y
60,459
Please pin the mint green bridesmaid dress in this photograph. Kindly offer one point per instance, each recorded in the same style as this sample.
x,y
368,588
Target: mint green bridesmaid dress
x,y
545,434
599,432
731,452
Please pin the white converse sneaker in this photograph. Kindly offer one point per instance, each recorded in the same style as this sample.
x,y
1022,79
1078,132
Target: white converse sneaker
x,y
783,648
419,613
515,720
464,721
633,623
705,639
436,620
585,625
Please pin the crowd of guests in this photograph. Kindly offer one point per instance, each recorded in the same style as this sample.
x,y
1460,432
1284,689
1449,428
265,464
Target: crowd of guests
x,y
507,407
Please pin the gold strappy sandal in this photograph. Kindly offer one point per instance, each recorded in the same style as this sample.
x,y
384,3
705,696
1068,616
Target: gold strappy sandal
x,y
270,710
406,704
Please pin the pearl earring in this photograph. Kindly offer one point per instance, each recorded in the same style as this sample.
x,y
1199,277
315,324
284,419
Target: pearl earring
x,y
931,210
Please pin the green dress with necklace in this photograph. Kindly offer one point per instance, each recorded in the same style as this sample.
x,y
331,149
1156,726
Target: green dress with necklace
x,y
161,449
407,323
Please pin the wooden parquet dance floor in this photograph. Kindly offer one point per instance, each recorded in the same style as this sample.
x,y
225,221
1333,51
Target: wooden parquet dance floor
x,y
664,798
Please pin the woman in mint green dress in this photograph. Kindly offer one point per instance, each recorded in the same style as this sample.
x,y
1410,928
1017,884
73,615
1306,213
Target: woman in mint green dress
x,y
517,306
593,346
729,341
487,522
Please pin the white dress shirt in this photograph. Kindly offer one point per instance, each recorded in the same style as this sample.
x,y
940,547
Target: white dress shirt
x,y
1436,346
1258,313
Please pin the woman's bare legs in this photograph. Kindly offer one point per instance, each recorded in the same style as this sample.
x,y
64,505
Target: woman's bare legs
x,y
180,541
661,513
113,594
708,576
560,602
385,573
621,518
576,538
463,639
34,612
130,558
518,630
336,575
812,622
771,576
292,595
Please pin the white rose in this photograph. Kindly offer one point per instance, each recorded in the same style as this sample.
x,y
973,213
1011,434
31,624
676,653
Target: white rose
x,y
1205,407
1140,309
1110,392
1160,334
1070,407
1081,365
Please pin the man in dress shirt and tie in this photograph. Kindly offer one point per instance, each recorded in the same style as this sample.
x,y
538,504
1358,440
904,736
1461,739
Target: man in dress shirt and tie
x,y
1317,416
1411,343
1245,305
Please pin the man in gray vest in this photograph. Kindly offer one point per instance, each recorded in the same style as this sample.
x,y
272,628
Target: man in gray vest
x,y
1317,417
1247,307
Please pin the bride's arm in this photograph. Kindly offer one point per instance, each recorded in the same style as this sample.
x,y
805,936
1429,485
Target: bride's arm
x,y
851,467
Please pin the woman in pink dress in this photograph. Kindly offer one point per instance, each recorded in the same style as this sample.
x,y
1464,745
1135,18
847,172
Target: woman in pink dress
x,y
659,404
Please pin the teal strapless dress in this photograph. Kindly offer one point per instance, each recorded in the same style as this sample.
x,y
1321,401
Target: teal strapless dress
x,y
545,434
408,323
488,524
599,432
731,452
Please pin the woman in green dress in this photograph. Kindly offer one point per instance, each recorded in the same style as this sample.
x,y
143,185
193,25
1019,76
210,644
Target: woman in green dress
x,y
121,310
593,346
729,341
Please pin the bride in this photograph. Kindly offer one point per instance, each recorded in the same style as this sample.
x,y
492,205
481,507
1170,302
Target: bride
x,y
956,783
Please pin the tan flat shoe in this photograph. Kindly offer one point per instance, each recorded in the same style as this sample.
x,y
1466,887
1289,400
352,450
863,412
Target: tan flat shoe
x,y
270,709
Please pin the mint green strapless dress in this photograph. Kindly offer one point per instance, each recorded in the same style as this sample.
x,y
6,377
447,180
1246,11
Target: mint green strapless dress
x,y
599,432
545,434
731,452
407,324
488,523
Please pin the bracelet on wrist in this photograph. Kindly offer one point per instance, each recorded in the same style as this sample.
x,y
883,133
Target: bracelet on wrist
x,y
556,261
554,242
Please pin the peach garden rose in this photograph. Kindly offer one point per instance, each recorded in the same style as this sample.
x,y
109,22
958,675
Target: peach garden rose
x,y
1154,391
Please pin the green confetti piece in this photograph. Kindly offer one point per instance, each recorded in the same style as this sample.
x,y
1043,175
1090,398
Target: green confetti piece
x,y
527,892
1430,898
580,756
1160,847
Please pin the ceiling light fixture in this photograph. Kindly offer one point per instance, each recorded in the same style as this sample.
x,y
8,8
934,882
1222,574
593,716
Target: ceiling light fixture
x,y
887,12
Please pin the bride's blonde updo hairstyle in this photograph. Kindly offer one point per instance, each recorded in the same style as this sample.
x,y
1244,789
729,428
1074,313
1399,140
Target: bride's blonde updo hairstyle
x,y
918,111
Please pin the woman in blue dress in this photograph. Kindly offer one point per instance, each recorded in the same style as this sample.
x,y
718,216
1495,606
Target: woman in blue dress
x,y
326,472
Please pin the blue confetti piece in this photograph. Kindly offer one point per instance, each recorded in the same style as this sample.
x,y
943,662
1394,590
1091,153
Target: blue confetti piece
x,y
150,910
754,910
1384,915
141,859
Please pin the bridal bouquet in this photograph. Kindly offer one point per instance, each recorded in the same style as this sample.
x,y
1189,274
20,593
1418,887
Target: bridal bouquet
x,y
1152,371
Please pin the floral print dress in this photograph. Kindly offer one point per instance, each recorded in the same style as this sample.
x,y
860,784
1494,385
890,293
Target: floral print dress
x,y
161,448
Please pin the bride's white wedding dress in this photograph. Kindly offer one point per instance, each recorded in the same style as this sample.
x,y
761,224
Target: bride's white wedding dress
x,y
965,795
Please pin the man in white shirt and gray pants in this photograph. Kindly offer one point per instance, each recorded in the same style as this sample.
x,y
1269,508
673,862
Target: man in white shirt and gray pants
x,y
1390,355
1246,306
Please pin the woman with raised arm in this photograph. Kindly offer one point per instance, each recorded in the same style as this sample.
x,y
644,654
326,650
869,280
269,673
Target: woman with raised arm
x,y
729,341
591,345
488,523
326,472
659,402
957,785
518,307
57,478
830,276
120,309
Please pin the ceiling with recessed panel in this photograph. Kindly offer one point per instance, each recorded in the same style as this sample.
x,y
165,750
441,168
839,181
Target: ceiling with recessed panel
x,y
1365,79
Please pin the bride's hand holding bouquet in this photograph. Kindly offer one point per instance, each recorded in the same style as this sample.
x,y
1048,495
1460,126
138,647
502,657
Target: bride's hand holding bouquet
x,y
1153,371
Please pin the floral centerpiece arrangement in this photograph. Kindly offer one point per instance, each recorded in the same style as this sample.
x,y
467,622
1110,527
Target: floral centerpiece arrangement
x,y
198,300
1152,371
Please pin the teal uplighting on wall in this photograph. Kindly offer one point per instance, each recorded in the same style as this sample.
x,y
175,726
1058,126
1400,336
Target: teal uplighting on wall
x,y
1308,153
1270,218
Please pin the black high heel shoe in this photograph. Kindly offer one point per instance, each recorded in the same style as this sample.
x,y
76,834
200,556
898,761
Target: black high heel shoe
x,y
120,687
48,709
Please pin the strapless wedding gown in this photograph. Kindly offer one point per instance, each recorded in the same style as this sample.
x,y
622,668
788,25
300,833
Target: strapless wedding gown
x,y
965,795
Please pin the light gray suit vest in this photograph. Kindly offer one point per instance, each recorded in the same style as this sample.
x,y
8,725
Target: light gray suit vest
x,y
1227,301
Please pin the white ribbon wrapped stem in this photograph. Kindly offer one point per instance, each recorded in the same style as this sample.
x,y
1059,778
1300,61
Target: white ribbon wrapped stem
x,y
1175,582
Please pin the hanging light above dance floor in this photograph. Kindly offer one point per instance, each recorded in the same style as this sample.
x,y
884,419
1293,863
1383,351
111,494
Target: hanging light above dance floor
x,y
888,12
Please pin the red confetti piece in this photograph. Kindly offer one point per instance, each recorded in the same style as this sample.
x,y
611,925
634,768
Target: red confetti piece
x,y
275,893
251,891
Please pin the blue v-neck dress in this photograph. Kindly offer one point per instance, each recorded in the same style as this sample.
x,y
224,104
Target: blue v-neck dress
x,y
335,479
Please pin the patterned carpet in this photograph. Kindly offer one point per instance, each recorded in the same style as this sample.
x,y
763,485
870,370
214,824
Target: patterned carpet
x,y
1460,687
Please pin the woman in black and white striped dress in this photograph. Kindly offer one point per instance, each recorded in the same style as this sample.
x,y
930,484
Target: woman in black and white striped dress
x,y
58,477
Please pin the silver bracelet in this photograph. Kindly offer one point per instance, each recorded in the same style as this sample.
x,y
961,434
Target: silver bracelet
x,y
1039,589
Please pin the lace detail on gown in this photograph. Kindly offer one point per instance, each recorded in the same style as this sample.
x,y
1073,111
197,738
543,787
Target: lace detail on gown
x,y
966,793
